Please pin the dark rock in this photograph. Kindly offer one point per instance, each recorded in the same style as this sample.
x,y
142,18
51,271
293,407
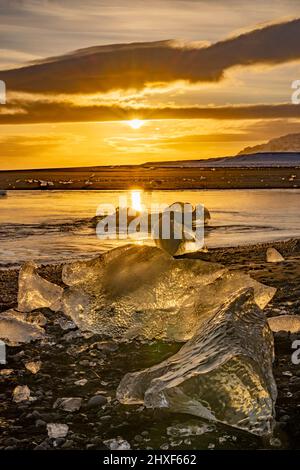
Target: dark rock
x,y
43,446
284,419
107,346
97,400
68,444
281,336
40,423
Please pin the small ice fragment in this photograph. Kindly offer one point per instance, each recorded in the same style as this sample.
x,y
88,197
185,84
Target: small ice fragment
x,y
14,330
6,372
117,444
33,366
224,373
65,323
36,292
81,382
56,430
273,256
275,442
21,393
186,430
68,404
175,230
288,323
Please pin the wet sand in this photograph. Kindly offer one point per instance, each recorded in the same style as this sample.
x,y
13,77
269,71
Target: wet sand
x,y
69,356
150,177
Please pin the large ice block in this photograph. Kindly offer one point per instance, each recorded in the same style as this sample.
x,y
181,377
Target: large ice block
x,y
140,291
224,373
137,291
36,292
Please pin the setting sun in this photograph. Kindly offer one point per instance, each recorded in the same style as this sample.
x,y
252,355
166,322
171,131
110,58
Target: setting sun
x,y
135,123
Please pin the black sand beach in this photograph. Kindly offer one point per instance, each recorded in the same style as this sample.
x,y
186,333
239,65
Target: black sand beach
x,y
150,177
68,356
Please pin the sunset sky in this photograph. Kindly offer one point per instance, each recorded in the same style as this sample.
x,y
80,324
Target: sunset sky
x,y
201,78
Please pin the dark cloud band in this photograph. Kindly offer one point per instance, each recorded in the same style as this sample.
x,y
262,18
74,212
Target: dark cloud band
x,y
39,112
132,66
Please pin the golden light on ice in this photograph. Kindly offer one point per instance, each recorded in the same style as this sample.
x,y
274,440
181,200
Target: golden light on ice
x,y
136,202
135,123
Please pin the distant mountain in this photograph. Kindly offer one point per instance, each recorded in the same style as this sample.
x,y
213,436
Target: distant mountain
x,y
285,143
259,160
283,151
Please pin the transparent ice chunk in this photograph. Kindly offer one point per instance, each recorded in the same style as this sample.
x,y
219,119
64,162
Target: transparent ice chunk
x,y
273,256
36,292
180,228
21,393
137,291
140,291
15,330
224,373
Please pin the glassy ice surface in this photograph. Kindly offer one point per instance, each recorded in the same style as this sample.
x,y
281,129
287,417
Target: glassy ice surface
x,y
224,373
137,291
14,329
273,256
51,226
35,292
140,291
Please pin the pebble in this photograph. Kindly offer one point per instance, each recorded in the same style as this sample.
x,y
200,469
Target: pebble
x,y
107,346
97,400
43,446
69,337
275,442
84,363
284,418
81,382
68,444
40,423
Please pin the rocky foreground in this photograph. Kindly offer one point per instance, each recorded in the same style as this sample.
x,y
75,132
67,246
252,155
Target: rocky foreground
x,y
71,377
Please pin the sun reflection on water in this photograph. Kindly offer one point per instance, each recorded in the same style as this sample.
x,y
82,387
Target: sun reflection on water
x,y
136,199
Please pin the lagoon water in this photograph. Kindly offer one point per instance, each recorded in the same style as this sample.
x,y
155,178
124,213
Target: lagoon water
x,y
48,226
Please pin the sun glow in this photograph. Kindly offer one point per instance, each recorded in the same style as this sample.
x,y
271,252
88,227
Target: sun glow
x,y
135,123
136,202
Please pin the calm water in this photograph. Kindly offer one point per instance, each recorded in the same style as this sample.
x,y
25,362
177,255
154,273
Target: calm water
x,y
44,226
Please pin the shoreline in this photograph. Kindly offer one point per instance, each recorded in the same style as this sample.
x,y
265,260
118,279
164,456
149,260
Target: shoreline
x,y
152,178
